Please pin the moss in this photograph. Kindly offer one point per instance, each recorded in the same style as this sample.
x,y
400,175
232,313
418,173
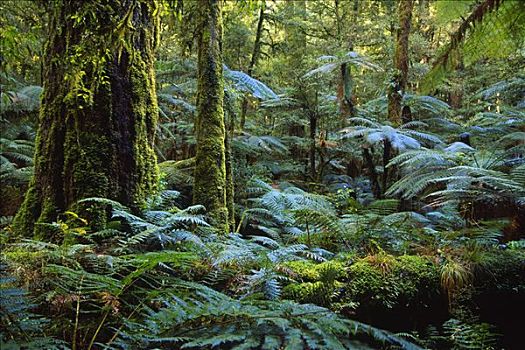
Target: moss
x,y
368,285
501,270
209,187
24,221
310,292
98,114
411,280
24,257
310,271
317,283
303,270
230,186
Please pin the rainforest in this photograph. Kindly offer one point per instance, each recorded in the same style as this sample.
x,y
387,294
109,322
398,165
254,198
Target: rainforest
x,y
262,174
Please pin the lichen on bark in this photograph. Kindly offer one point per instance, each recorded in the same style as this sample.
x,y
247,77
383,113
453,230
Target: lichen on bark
x,y
98,114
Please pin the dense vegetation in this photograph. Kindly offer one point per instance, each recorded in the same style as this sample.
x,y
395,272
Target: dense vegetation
x,y
262,174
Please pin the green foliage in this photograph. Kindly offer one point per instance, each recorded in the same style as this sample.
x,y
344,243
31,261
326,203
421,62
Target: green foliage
x,y
384,282
245,83
457,174
211,319
81,281
314,223
333,62
492,29
25,100
20,327
16,155
469,336
317,283
401,138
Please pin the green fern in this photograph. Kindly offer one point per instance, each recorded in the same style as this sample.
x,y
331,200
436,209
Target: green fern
x,y
20,327
198,317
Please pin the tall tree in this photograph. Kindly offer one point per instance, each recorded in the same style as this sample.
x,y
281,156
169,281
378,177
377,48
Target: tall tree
x,y
400,78
98,113
210,165
255,57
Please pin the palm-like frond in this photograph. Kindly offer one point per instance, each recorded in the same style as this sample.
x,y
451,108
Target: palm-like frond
x,y
259,144
245,324
449,175
401,138
492,29
16,160
333,62
244,82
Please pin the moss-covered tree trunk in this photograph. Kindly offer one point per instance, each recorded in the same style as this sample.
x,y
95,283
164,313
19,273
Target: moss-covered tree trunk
x,y
400,79
98,114
230,185
230,118
210,165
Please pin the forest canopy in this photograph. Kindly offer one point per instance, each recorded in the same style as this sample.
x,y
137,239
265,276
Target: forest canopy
x,y
262,174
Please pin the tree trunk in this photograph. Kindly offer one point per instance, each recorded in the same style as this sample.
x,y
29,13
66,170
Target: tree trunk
x,y
313,131
98,113
387,155
230,184
210,165
376,189
255,56
400,78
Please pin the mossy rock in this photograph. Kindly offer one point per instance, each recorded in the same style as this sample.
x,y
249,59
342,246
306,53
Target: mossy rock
x,y
317,283
502,270
393,281
311,271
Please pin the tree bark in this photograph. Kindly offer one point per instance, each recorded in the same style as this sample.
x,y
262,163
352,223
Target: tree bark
x,y
255,57
98,113
210,161
230,184
400,79
376,189
313,131
387,155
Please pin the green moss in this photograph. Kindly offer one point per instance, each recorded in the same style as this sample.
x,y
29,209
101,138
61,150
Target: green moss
x,y
368,285
24,221
309,271
380,282
24,257
230,187
410,280
210,186
317,283
98,114
310,292
304,270
501,270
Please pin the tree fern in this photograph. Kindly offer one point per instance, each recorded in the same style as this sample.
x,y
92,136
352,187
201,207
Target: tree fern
x,y
224,322
333,62
244,82
493,28
401,138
